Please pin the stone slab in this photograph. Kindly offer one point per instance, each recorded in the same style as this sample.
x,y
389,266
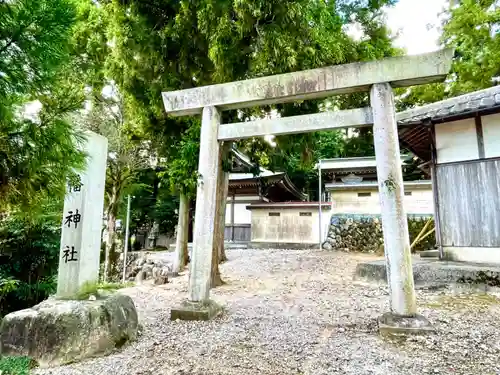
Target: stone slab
x,y
280,245
297,124
318,83
392,325
196,311
57,332
429,254
433,272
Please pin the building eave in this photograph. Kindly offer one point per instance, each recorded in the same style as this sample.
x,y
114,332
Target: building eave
x,y
419,184
415,124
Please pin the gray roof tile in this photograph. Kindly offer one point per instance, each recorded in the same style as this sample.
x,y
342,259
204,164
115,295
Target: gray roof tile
x,y
479,100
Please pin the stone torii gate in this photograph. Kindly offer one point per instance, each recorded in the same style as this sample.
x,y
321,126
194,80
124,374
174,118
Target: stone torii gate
x,y
378,77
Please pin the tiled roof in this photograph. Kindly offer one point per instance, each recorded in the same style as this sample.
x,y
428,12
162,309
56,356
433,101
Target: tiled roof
x,y
460,105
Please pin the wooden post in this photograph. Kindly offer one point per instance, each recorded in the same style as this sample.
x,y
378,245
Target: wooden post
x,y
391,189
435,192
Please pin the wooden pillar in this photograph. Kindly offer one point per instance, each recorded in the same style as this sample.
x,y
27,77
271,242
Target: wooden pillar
x,y
182,235
233,202
391,191
206,197
435,192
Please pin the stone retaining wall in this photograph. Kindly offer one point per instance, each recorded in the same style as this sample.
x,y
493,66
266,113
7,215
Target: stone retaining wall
x,y
350,232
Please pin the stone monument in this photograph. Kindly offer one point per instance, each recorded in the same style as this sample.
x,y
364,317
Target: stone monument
x,y
66,329
82,221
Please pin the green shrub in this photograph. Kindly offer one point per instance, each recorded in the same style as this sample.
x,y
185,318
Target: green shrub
x,y
16,365
29,252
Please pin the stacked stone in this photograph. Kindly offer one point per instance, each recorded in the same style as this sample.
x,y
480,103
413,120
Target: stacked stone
x,y
363,234
141,268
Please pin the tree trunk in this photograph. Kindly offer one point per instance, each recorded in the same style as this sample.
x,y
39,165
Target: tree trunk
x,y
185,239
110,258
223,202
182,231
220,216
109,246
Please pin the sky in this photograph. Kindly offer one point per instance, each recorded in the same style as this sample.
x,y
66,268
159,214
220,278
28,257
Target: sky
x,y
411,19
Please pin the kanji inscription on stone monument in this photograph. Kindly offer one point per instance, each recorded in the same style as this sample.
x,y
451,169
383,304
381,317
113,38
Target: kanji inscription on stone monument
x,y
82,220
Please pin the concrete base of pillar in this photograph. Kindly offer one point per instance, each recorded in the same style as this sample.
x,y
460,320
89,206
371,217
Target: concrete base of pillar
x,y
196,311
393,325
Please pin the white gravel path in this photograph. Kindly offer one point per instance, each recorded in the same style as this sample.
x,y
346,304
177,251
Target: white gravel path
x,y
299,312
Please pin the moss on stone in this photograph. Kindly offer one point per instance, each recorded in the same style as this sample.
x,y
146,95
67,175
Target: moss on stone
x,y
57,331
98,290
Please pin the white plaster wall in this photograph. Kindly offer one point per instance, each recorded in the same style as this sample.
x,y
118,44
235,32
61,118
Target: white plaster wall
x,y
241,214
456,141
290,226
228,212
348,202
487,255
491,135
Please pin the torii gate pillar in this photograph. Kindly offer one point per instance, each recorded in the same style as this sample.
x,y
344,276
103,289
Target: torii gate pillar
x,y
378,77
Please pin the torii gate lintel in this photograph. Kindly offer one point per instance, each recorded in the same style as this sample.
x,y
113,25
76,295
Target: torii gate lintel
x,y
378,77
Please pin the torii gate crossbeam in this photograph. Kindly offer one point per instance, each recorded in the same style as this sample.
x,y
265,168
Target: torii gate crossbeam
x,y
378,77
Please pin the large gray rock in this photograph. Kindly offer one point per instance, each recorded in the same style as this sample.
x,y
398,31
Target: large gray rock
x,y
55,332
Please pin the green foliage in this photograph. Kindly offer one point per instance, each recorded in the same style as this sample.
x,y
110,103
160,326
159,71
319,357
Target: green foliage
x,y
152,202
16,365
34,36
37,150
29,254
165,213
8,285
472,29
36,159
180,173
168,45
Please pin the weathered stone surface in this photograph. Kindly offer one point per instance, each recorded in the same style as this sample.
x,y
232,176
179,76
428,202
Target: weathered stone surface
x,y
391,193
432,272
160,280
391,325
80,244
206,204
311,84
55,332
363,233
297,124
140,267
196,311
354,233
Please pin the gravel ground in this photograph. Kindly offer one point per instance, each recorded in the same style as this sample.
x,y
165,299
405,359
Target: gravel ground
x,y
299,312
